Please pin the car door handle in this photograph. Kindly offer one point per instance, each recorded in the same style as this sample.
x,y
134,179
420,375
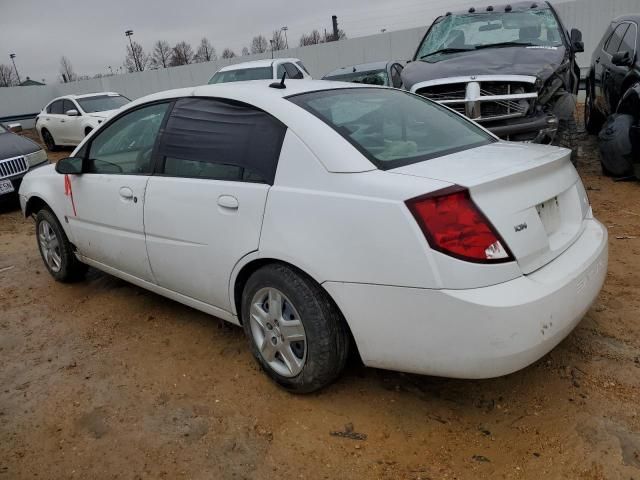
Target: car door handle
x,y
228,201
126,193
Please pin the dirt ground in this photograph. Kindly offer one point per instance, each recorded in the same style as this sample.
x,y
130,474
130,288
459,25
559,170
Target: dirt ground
x,y
103,380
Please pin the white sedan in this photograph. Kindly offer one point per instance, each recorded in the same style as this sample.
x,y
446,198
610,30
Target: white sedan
x,y
327,216
67,120
262,70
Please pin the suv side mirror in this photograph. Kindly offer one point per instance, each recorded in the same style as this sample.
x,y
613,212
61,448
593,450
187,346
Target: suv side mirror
x,y
576,40
72,113
622,59
69,166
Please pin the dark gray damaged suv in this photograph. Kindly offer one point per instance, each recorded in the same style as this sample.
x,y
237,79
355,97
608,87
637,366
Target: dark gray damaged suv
x,y
510,68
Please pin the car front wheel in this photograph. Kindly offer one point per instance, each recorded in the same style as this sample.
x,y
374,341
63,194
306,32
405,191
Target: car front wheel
x,y
56,250
295,331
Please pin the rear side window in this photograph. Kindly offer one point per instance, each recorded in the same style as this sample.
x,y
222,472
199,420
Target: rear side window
x,y
221,140
393,128
613,44
56,108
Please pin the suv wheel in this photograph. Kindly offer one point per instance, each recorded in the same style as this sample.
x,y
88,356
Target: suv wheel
x,y
295,331
56,250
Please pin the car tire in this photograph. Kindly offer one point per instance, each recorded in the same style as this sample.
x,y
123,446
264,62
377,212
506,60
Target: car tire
x,y
295,331
56,250
48,140
567,137
593,119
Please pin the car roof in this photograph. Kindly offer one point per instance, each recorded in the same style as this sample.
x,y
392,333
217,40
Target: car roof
x,y
515,7
257,64
362,67
622,18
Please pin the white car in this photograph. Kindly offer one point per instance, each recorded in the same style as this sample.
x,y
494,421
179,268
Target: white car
x,y
262,70
67,120
327,211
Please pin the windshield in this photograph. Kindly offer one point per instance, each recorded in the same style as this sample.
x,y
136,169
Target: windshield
x,y
261,73
372,77
391,127
102,103
467,32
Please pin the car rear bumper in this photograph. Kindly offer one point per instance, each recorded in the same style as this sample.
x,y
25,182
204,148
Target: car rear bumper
x,y
476,333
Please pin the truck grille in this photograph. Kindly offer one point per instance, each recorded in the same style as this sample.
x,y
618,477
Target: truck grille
x,y
484,99
13,166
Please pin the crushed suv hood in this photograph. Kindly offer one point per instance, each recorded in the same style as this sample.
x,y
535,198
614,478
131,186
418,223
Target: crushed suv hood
x,y
541,62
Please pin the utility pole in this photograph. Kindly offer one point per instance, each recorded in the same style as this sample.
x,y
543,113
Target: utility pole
x,y
286,40
12,56
129,33
271,42
334,20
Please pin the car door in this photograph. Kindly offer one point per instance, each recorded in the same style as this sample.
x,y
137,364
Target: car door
x,y
619,72
51,121
611,47
106,218
204,206
70,126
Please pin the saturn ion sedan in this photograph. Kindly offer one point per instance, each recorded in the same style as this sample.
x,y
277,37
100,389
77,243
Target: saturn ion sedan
x,y
324,217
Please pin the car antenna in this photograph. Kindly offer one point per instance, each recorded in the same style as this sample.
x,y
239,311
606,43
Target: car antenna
x,y
280,84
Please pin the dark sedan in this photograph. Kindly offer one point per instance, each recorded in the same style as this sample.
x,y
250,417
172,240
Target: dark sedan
x,y
17,155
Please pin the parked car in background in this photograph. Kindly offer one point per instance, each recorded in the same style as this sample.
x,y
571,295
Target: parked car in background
x,y
510,68
331,211
67,120
377,73
18,155
262,70
612,104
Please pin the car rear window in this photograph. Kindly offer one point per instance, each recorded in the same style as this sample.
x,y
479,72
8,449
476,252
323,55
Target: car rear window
x,y
260,73
393,128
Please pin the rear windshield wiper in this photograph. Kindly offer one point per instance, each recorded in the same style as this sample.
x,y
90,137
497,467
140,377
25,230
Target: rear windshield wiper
x,y
447,50
507,44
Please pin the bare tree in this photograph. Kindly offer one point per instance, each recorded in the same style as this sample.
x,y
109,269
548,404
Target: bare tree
x,y
312,38
228,53
182,54
8,76
245,51
161,54
205,52
277,40
66,70
136,60
259,44
330,37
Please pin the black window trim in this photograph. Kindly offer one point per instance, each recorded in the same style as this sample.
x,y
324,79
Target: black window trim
x,y
86,148
158,160
389,165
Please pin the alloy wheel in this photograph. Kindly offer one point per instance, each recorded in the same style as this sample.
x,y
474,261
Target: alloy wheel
x,y
50,246
278,332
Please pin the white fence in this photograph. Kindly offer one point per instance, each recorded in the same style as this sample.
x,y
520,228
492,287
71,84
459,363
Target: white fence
x,y
591,16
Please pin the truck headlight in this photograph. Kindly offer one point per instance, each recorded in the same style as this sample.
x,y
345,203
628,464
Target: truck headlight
x,y
36,158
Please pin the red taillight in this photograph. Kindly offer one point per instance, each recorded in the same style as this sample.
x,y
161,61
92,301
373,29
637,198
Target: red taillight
x,y
453,225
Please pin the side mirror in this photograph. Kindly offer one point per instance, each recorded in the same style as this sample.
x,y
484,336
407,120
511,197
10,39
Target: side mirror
x,y
576,40
15,127
72,113
622,59
69,166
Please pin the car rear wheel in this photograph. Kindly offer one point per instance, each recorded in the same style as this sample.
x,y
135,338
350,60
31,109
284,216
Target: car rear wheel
x,y
56,250
48,140
295,332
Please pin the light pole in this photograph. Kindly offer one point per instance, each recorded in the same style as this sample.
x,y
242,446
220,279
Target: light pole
x,y
271,42
286,41
129,33
12,56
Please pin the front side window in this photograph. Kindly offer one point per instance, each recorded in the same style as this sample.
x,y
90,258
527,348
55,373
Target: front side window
x,y
260,73
102,103
629,41
68,105
396,79
292,71
301,65
393,128
613,44
468,32
125,146
370,77
221,140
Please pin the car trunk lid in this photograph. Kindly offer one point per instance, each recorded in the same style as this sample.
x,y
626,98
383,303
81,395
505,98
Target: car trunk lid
x,y
531,194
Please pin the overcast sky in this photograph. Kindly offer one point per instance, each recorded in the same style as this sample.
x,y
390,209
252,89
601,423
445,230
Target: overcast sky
x,y
91,32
